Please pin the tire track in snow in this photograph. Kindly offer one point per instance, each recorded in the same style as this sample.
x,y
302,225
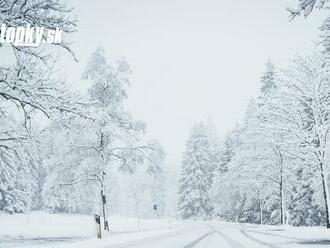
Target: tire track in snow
x,y
151,239
196,242
136,231
244,232
278,235
233,243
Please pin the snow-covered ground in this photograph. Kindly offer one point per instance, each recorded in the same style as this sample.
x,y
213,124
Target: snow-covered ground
x,y
77,231
39,228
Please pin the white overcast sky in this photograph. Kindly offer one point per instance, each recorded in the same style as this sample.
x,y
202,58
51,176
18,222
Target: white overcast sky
x,y
191,59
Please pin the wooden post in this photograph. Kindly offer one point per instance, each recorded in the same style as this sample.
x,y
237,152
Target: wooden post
x,y
97,220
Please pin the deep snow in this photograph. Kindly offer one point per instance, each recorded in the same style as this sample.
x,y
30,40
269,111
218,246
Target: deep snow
x,y
39,229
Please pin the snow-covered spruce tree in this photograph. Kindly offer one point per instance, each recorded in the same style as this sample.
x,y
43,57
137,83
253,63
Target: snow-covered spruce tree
x,y
304,210
268,80
199,163
231,143
222,178
27,87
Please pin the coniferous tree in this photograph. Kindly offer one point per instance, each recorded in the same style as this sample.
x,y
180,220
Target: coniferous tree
x,y
304,210
268,79
197,175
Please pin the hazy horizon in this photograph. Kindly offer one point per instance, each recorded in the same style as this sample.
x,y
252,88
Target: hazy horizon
x,y
191,60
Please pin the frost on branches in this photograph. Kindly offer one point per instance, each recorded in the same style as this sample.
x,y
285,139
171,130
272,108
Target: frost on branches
x,y
27,91
305,7
277,168
107,141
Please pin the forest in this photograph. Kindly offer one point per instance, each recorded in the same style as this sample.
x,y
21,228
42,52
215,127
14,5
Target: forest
x,y
64,151
272,168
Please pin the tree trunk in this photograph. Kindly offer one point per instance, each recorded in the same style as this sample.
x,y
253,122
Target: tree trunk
x,y
280,164
261,213
325,195
281,199
105,221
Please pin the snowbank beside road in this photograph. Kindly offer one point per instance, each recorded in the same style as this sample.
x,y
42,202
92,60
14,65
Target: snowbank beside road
x,y
40,224
68,227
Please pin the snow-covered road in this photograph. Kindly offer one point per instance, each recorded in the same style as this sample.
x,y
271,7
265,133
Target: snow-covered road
x,y
195,235
226,235
39,230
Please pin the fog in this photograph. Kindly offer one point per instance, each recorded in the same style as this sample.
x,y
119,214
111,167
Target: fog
x,y
191,60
